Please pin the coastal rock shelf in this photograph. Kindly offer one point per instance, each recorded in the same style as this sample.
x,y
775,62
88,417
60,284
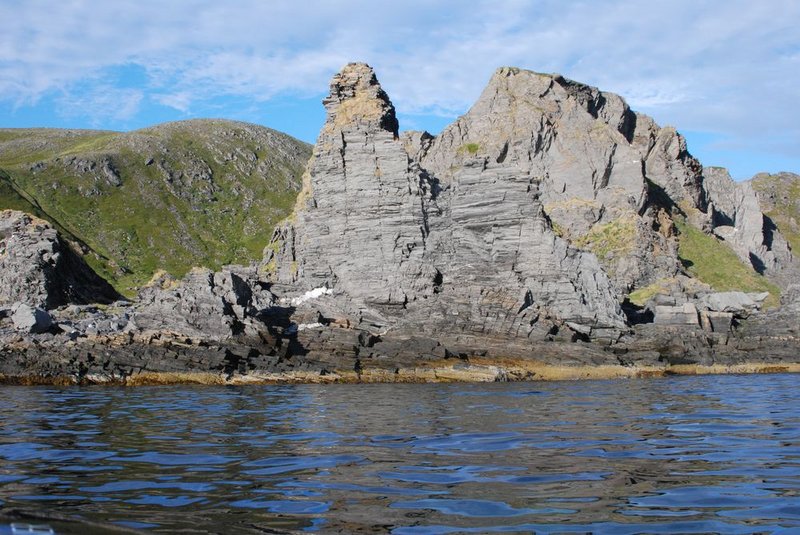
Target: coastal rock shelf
x,y
550,232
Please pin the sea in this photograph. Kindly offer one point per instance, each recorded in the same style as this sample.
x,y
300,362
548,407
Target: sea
x,y
691,454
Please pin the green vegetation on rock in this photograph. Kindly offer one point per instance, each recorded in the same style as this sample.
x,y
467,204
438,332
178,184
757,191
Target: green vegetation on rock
x,y
643,295
471,148
609,240
713,262
11,199
173,196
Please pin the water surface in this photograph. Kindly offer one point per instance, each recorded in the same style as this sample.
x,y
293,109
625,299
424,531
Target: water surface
x,y
683,454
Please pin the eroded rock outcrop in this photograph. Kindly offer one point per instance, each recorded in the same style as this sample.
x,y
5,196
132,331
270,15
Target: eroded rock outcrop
x,y
432,236
38,268
738,218
204,304
587,154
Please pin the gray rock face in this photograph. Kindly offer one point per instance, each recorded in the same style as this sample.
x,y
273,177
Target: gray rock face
x,y
737,218
432,235
790,297
685,314
206,304
38,268
30,319
717,322
779,198
739,304
584,152
668,163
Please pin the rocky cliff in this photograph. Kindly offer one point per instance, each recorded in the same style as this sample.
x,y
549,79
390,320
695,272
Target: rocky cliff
x,y
779,200
543,206
740,220
414,239
548,227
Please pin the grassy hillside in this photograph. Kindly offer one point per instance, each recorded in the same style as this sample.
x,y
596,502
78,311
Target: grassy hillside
x,y
10,199
714,263
177,195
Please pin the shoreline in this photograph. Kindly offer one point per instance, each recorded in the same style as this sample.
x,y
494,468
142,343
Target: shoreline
x,y
477,371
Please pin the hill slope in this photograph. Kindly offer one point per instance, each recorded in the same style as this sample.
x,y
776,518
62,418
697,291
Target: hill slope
x,y
173,196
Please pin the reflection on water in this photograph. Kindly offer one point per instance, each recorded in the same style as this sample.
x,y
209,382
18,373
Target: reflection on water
x,y
688,454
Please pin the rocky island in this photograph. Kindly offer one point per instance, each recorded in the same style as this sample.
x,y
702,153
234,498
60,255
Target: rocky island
x,y
550,232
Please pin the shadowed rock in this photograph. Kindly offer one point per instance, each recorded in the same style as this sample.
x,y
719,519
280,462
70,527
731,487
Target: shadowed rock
x,y
30,319
38,268
737,218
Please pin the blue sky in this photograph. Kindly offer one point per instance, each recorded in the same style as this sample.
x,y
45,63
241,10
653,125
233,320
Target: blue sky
x,y
726,73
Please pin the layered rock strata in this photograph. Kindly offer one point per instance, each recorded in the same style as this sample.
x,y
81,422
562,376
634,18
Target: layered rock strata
x,y
418,241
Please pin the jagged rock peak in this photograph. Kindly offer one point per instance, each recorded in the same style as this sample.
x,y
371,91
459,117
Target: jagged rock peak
x,y
535,86
357,98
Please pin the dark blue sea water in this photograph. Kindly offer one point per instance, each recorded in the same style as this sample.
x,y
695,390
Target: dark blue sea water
x,y
683,454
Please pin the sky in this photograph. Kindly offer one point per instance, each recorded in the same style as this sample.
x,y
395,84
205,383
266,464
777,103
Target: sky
x,y
725,73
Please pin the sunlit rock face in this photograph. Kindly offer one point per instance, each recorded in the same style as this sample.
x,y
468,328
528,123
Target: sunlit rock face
x,y
435,234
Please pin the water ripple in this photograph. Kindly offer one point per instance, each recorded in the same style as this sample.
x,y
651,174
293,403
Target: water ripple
x,y
685,454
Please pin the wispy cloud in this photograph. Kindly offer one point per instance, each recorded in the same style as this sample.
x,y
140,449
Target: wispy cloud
x,y
731,67
101,103
180,101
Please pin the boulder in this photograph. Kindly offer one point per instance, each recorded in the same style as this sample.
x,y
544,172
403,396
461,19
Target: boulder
x,y
718,322
30,319
740,304
685,314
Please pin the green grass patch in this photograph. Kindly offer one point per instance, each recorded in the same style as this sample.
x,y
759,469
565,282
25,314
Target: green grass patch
x,y
27,146
470,148
716,264
643,295
609,240
8,135
96,143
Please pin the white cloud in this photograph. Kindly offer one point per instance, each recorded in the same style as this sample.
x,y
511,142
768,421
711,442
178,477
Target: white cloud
x,y
180,101
101,103
730,67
